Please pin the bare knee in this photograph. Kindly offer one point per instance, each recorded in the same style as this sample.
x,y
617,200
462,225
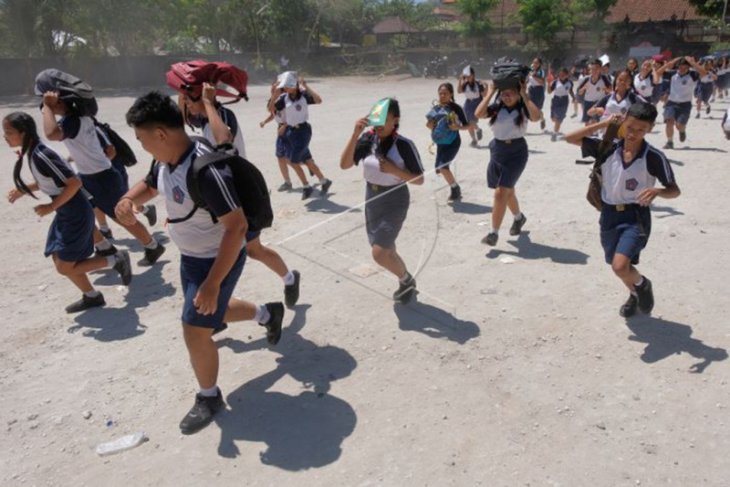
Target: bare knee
x,y
64,267
503,194
197,338
381,254
621,268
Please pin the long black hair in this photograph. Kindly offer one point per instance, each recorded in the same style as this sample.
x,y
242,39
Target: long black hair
x,y
450,88
23,123
521,106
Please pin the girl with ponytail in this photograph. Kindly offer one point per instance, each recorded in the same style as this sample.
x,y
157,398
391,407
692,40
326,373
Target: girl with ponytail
x,y
70,236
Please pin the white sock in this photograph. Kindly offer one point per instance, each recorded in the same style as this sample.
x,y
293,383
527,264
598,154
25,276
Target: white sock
x,y
495,231
288,278
209,392
640,282
262,314
104,228
406,277
92,294
306,185
111,260
104,245
152,245
145,209
455,185
518,216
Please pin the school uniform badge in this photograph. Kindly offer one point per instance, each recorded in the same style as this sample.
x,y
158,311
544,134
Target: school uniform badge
x,y
632,184
178,195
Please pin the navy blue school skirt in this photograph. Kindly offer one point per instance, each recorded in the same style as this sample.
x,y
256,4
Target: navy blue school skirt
x,y
537,95
470,107
559,107
506,162
71,234
446,153
298,139
704,91
106,188
386,209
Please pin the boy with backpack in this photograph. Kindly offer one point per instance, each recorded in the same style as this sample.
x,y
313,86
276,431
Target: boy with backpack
x,y
212,243
628,174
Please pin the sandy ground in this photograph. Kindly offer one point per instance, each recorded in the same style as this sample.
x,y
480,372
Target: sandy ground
x,y
513,368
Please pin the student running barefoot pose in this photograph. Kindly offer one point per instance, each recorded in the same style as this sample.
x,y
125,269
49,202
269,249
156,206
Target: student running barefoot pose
x,y
98,176
681,88
220,127
536,87
445,120
562,88
292,97
705,87
473,90
644,84
70,237
278,116
212,252
619,101
593,88
627,191
390,161
508,118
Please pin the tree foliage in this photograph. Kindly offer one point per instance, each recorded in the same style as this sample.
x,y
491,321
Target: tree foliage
x,y
710,8
543,19
477,15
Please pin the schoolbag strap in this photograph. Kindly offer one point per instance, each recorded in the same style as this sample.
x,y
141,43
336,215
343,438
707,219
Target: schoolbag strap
x,y
186,217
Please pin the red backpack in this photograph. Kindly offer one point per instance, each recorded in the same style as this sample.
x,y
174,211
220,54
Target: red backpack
x,y
189,76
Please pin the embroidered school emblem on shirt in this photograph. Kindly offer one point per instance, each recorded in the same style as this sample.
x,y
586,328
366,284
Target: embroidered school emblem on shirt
x,y
631,184
299,108
178,195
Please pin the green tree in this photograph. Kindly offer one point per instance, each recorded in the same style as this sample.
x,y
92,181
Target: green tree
x,y
711,8
476,16
543,19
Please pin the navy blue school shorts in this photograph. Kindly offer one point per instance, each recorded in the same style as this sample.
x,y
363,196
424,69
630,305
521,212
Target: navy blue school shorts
x,y
193,272
506,162
71,234
624,232
679,112
446,153
559,107
106,188
537,95
281,147
298,139
122,170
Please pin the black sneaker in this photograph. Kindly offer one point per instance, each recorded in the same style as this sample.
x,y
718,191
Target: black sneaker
x,y
698,115
517,225
542,124
151,255
291,292
306,192
86,303
107,234
474,143
325,187
406,291
201,414
150,212
682,136
455,194
106,253
285,186
491,239
669,145
123,267
645,294
273,326
554,137
708,109
628,309
480,134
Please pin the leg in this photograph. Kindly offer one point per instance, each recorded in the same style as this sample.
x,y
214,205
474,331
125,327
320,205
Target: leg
x,y
501,199
267,256
448,175
101,218
389,259
512,203
76,271
203,354
669,129
624,270
473,132
139,232
300,174
284,169
239,310
314,168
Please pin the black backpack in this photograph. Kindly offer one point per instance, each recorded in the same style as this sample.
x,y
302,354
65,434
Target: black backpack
x,y
125,154
508,74
77,94
251,188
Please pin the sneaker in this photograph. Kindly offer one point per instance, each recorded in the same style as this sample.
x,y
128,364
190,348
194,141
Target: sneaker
x,y
682,136
668,145
474,143
291,292
151,255
517,225
542,124
273,326
86,303
306,192
708,109
698,115
645,294
554,137
480,134
406,291
285,186
491,239
151,214
123,267
107,234
106,253
455,194
628,309
325,187
201,414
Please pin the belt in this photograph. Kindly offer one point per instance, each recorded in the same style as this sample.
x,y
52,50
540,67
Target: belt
x,y
509,141
298,126
380,188
622,207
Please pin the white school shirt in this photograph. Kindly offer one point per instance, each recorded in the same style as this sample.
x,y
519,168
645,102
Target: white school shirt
x,y
79,137
681,88
708,77
49,170
229,118
561,89
504,128
644,87
532,82
296,112
471,92
595,91
612,106
402,153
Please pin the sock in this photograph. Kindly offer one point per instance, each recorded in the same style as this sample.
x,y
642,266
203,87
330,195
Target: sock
x,y
518,216
262,314
495,231
111,261
406,277
152,245
104,228
209,392
104,245
145,209
92,294
640,282
288,278
455,185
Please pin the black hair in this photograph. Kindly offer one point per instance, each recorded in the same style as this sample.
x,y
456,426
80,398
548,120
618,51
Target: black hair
x,y
393,109
564,70
643,111
449,87
521,106
23,123
539,60
597,61
619,73
154,108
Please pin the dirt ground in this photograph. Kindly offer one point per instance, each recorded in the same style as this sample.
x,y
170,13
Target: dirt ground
x,y
512,368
